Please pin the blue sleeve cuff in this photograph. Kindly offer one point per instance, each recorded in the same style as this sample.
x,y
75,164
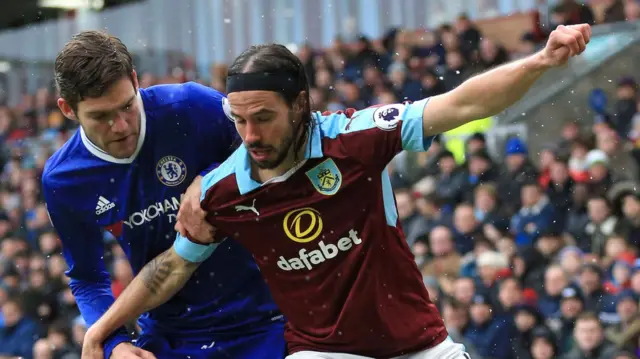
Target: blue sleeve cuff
x,y
119,337
412,128
192,252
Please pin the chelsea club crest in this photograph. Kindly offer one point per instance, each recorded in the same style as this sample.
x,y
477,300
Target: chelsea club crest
x,y
325,177
171,171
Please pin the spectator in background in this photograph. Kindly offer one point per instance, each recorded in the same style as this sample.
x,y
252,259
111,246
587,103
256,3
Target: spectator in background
x,y
464,289
631,11
450,180
457,70
627,330
444,263
488,334
431,215
559,191
405,203
614,11
492,266
526,319
602,224
600,176
479,169
510,295
456,315
591,285
571,259
543,344
491,54
571,305
489,212
590,340
518,171
469,35
466,228
555,280
625,106
535,217
18,334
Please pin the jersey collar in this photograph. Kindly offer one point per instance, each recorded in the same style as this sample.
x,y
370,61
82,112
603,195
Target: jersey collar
x,y
247,184
96,151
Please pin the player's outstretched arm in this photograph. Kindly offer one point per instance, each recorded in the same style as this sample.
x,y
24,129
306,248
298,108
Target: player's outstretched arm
x,y
83,251
157,282
490,93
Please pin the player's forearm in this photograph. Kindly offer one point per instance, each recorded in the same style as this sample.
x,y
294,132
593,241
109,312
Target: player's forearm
x,y
157,282
491,92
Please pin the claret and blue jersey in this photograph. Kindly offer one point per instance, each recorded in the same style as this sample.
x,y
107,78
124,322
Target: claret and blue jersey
x,y
183,131
335,257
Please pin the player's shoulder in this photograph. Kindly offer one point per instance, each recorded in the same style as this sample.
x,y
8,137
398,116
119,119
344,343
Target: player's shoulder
x,y
64,160
383,117
187,94
224,171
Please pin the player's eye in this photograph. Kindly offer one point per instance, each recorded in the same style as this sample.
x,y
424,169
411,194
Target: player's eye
x,y
264,119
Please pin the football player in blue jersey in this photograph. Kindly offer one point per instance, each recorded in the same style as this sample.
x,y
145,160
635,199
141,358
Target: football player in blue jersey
x,y
124,171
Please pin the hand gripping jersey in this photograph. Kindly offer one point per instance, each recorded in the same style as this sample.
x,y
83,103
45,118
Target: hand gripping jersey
x,y
327,238
183,131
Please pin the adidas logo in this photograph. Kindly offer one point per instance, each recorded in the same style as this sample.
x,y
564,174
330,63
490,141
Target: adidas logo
x,y
103,205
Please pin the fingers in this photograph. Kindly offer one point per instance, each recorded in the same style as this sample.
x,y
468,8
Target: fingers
x,y
566,37
579,37
145,354
575,38
585,29
180,229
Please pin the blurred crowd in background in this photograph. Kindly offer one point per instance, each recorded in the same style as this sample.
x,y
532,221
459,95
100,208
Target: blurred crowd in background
x,y
532,255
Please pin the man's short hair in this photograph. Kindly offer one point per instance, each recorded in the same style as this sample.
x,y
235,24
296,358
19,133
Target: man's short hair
x,y
90,63
588,316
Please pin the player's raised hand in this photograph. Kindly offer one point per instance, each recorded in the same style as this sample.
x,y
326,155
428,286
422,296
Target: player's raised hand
x,y
565,42
191,217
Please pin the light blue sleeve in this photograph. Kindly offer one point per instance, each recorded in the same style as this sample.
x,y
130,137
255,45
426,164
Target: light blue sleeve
x,y
377,134
193,252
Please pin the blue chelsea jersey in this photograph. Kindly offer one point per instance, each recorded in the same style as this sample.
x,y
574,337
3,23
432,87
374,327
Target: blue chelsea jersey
x,y
183,131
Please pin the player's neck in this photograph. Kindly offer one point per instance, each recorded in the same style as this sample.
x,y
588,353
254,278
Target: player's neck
x,y
263,175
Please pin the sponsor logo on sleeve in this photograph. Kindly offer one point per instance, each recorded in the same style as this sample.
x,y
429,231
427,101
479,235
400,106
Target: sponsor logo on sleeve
x,y
387,117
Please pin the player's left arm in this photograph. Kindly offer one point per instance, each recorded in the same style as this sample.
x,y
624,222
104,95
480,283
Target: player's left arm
x,y
157,282
490,93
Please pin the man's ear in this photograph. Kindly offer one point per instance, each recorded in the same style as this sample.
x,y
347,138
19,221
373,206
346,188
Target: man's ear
x,y
134,77
300,105
66,109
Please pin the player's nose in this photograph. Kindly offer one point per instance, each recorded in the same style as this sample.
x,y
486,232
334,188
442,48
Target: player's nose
x,y
252,133
120,123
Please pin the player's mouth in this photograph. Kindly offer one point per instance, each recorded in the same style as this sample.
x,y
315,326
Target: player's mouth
x,y
261,154
126,141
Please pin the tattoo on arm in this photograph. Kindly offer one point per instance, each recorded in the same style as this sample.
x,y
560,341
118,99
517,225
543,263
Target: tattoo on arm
x,y
157,273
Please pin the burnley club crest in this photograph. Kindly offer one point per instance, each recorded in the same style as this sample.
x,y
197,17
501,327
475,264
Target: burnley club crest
x,y
325,177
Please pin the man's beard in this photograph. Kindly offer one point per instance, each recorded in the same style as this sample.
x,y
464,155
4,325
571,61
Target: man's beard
x,y
281,152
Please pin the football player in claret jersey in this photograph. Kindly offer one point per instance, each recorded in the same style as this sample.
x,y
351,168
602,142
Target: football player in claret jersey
x,y
309,196
124,171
